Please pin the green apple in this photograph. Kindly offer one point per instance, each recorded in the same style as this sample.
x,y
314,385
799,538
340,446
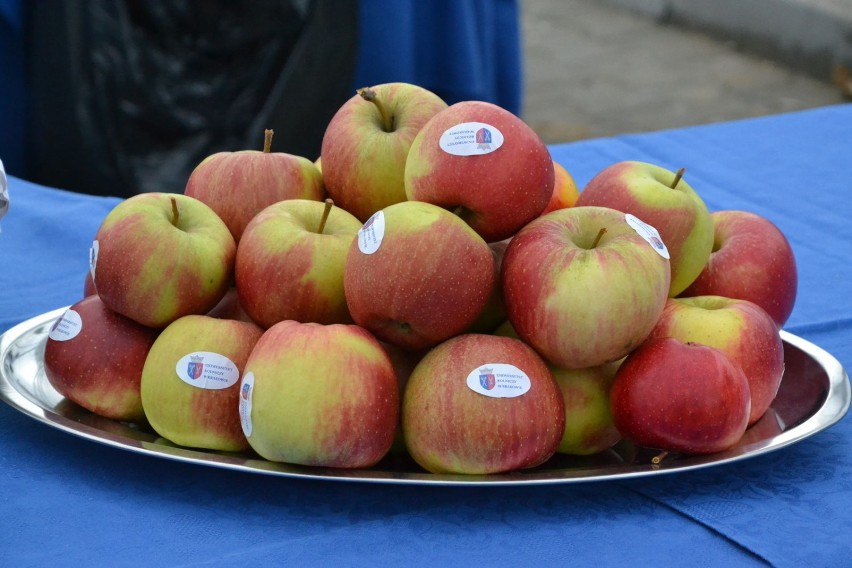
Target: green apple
x,y
589,428
320,395
585,285
667,202
417,275
741,329
159,256
290,263
484,163
479,404
190,381
366,144
238,185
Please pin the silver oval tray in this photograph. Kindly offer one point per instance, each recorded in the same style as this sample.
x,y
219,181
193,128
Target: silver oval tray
x,y
814,394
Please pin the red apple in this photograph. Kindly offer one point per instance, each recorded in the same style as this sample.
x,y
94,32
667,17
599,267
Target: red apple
x,y
191,381
484,163
751,260
664,200
417,275
290,263
319,395
565,192
238,185
479,404
682,397
94,357
366,143
583,287
159,256
739,328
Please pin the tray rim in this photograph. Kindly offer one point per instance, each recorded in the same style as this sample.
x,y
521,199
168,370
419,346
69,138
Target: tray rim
x,y
831,411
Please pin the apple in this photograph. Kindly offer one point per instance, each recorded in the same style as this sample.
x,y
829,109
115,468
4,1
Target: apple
x,y
94,356
583,286
494,312
417,275
589,428
751,260
664,200
290,263
741,329
484,163
319,395
191,381
229,307
366,144
682,397
480,404
565,192
89,285
159,256
238,185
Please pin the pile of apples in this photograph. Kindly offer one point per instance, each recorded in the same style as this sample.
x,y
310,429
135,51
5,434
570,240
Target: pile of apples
x,y
433,284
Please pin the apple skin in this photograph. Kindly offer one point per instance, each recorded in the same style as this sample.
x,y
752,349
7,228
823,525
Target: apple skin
x,y
239,185
229,307
580,306
679,214
363,163
285,269
100,368
751,260
589,427
429,280
495,193
189,415
683,397
450,428
565,192
740,329
494,312
323,395
154,271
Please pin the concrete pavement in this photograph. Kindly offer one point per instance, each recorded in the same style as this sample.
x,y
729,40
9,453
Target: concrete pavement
x,y
596,69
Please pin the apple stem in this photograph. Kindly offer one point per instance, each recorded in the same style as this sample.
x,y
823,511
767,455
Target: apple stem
x,y
658,459
599,237
328,205
175,212
677,177
267,140
370,95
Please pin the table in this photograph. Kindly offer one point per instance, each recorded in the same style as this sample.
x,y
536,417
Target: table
x,y
68,501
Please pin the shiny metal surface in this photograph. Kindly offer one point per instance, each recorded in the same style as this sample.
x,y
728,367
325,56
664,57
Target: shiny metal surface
x,y
814,394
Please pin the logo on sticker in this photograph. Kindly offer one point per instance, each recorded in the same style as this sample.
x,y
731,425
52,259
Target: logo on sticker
x,y
486,379
195,367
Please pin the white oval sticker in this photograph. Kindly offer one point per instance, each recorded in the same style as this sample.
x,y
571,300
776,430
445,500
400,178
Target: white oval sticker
x,y
207,370
498,380
246,391
648,233
471,139
66,327
371,234
93,258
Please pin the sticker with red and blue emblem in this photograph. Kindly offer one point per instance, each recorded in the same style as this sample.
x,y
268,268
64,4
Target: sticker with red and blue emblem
x,y
246,391
370,235
649,233
498,380
471,139
207,370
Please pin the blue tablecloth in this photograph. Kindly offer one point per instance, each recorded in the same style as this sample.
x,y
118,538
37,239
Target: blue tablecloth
x,y
71,502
